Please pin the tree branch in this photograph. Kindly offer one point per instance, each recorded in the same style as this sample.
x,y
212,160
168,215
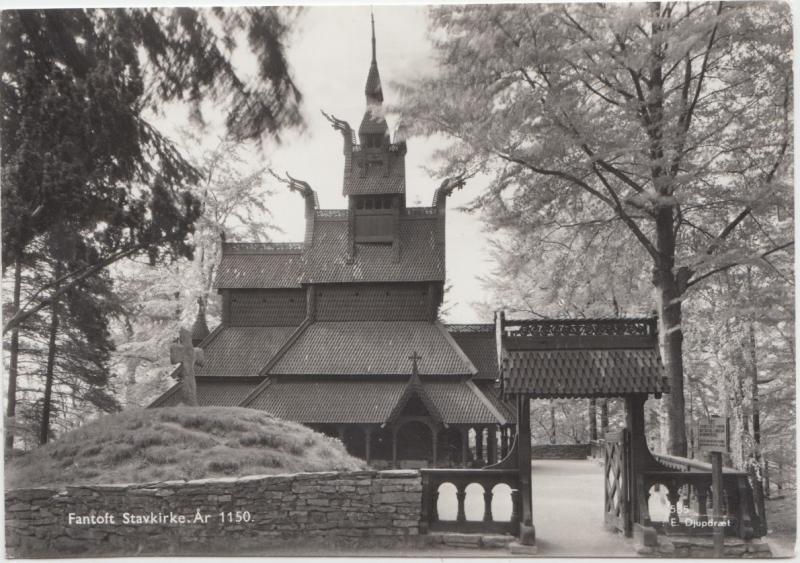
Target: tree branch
x,y
732,264
25,313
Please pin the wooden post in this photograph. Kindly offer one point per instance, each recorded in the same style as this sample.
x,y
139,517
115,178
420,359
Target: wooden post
x,y
367,442
716,486
527,533
637,454
492,445
394,448
464,445
504,431
435,440
479,444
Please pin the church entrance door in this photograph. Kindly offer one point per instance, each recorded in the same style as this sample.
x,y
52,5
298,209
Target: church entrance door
x,y
414,442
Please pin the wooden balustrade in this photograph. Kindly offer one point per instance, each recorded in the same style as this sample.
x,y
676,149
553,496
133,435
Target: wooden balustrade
x,y
433,479
688,486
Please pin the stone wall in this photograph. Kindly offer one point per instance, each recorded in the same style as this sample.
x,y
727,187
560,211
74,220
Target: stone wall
x,y
230,515
561,451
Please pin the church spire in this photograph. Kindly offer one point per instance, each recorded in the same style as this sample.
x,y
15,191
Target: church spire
x,y
372,19
373,89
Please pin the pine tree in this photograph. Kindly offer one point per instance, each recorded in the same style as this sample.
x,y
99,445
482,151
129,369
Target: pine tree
x,y
76,143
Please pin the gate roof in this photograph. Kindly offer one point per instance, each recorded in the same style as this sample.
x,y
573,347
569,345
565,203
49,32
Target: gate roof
x,y
574,358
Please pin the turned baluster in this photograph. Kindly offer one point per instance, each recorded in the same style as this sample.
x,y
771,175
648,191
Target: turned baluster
x,y
487,505
461,494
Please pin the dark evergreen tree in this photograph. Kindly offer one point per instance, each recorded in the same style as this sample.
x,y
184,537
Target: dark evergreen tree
x,y
76,145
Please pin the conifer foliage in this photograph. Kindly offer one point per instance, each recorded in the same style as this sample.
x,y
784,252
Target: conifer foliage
x,y
87,178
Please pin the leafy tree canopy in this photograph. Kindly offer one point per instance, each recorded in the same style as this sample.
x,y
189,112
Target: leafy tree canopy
x,y
670,121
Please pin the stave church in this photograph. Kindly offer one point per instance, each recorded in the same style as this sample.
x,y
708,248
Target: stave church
x,y
341,331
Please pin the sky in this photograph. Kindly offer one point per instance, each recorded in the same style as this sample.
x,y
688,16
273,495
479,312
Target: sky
x,y
329,56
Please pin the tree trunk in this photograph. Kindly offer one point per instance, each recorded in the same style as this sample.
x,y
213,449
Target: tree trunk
x,y
754,387
593,419
670,286
11,407
604,418
44,429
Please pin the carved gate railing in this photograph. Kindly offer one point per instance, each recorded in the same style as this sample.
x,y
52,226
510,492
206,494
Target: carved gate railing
x,y
617,488
432,479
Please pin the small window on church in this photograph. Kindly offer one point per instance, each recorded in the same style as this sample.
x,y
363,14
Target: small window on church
x,y
368,203
360,203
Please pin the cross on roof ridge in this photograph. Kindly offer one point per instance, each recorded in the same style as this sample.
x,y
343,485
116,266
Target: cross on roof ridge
x,y
415,357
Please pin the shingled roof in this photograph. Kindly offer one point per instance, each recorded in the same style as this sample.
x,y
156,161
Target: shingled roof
x,y
322,400
582,358
315,401
259,265
212,392
326,259
478,342
373,347
242,350
421,258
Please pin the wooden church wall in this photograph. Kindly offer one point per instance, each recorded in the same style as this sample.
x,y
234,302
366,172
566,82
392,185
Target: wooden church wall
x,y
374,302
267,307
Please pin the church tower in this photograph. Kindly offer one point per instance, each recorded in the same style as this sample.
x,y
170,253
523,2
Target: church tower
x,y
374,175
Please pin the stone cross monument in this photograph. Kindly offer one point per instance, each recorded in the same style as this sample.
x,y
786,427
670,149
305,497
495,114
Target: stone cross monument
x,y
187,355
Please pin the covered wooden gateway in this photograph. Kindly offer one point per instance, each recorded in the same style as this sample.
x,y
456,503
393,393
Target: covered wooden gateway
x,y
591,358
584,359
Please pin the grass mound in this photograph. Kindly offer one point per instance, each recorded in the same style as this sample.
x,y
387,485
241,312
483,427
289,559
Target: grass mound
x,y
146,445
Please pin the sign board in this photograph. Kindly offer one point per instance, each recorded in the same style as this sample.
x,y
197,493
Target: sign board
x,y
713,436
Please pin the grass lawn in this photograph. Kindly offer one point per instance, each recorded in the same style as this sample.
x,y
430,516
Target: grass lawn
x,y
161,444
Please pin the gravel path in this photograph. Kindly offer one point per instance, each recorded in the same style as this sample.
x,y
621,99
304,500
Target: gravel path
x,y
568,511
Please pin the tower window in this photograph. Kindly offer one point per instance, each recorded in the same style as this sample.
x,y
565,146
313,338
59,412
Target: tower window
x,y
373,141
375,202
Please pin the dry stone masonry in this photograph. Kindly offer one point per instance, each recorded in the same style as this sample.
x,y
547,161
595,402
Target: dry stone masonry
x,y
230,515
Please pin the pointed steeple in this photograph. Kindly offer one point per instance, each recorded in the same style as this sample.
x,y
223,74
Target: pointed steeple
x,y
373,88
373,123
